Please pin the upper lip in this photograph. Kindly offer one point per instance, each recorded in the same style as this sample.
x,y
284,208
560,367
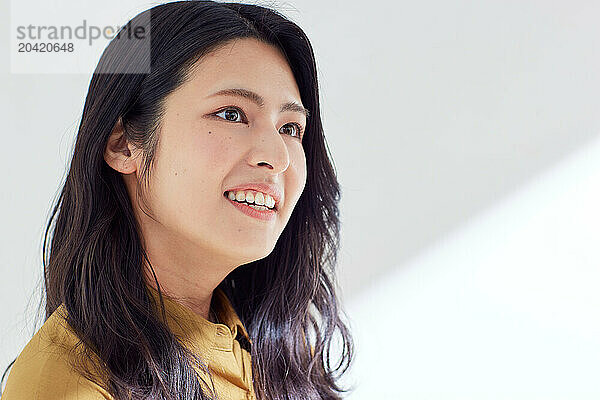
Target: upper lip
x,y
273,190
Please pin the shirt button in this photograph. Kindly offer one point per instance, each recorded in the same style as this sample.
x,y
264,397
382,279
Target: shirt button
x,y
222,331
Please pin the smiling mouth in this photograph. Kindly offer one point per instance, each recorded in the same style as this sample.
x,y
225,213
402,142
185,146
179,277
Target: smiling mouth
x,y
252,205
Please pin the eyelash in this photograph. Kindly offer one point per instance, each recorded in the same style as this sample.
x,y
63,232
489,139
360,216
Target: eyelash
x,y
299,128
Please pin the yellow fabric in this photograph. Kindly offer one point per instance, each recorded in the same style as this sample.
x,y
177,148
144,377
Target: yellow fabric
x,y
42,370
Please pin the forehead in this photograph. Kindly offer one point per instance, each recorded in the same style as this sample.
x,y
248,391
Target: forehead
x,y
249,63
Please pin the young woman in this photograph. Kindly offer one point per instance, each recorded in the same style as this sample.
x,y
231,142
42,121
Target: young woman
x,y
195,237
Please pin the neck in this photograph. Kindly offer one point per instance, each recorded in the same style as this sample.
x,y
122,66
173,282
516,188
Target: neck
x,y
199,304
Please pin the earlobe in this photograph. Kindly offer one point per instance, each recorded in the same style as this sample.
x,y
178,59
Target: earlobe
x,y
117,153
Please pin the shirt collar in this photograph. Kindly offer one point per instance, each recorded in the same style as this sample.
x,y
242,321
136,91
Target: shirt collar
x,y
198,331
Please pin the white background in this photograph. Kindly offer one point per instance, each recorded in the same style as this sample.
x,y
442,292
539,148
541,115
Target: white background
x,y
465,135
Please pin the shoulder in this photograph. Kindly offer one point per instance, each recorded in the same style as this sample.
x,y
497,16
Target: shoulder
x,y
43,370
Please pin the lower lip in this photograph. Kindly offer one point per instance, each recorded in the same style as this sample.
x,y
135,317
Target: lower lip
x,y
265,215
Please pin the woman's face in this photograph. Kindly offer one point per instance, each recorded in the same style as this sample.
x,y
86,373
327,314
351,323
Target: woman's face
x,y
210,142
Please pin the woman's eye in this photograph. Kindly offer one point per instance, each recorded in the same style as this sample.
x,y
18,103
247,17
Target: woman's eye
x,y
230,114
297,131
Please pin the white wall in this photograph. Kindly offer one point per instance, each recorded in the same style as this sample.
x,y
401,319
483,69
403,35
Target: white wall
x,y
504,307
465,135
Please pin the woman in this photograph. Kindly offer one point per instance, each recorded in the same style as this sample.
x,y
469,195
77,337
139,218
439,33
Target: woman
x,y
196,234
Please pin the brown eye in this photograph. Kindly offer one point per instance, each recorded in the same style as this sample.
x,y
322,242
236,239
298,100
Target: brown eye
x,y
230,114
295,132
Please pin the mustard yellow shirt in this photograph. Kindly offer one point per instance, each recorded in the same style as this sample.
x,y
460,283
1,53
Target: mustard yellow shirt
x,y
42,370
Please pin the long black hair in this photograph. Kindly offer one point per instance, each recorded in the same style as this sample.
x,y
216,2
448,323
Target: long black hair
x,y
287,300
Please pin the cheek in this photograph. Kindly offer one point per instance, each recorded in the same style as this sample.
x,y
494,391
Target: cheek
x,y
209,155
208,161
298,165
191,172
212,148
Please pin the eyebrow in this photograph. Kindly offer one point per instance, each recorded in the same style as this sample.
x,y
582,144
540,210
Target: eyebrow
x,y
259,100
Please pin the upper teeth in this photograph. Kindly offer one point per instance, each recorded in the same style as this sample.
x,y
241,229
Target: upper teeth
x,y
252,197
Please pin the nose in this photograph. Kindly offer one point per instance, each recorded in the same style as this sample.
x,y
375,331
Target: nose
x,y
269,148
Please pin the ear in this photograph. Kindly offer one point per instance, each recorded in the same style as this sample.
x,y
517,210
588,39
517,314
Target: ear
x,y
118,152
